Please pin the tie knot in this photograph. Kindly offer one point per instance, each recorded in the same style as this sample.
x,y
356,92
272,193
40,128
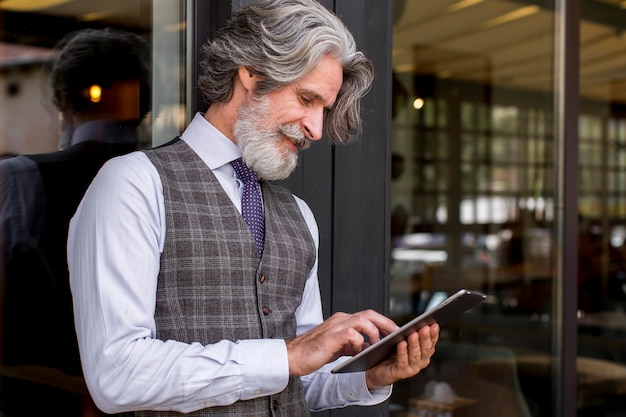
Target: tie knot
x,y
244,173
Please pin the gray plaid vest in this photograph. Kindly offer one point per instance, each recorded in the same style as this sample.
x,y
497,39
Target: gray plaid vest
x,y
212,285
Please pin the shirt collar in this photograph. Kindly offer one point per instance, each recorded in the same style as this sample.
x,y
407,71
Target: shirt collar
x,y
210,144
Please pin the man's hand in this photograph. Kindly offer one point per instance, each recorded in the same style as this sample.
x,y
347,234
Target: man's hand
x,y
413,354
342,334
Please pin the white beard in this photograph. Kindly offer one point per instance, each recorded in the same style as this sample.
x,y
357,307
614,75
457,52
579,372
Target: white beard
x,y
261,141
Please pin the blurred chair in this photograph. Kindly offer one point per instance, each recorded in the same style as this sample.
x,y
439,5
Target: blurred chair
x,y
485,374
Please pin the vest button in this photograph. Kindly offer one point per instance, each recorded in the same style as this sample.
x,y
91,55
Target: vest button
x,y
266,310
275,404
262,279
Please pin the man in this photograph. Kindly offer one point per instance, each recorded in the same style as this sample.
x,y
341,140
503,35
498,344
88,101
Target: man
x,y
178,307
40,193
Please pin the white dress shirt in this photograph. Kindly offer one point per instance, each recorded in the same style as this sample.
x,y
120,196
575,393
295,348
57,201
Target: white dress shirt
x,y
115,241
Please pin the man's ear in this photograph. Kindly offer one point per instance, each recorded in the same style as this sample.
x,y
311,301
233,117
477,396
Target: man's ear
x,y
247,78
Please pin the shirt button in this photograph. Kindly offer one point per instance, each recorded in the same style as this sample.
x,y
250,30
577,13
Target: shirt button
x,y
262,279
266,311
257,392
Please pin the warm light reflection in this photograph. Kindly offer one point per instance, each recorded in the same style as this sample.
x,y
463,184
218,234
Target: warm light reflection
x,y
509,17
418,103
29,5
95,93
91,17
463,4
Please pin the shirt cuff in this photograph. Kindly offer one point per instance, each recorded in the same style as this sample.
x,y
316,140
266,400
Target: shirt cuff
x,y
265,367
355,389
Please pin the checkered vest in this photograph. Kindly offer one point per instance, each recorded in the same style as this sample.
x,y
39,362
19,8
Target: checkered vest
x,y
212,285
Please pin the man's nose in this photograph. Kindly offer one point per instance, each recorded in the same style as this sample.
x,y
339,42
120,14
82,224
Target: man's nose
x,y
313,124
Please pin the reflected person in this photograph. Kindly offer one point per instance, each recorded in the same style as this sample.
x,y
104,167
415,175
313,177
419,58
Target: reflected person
x,y
100,82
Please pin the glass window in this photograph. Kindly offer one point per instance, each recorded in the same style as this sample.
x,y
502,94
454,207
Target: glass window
x,y
480,215
490,63
601,212
81,81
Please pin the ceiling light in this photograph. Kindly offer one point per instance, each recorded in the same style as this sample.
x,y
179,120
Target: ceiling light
x,y
29,5
509,17
93,16
95,93
418,103
463,4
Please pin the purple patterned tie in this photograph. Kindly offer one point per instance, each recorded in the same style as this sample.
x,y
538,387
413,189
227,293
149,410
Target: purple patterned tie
x,y
251,204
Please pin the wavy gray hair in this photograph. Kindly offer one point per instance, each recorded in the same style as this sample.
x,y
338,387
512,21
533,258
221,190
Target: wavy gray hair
x,y
282,41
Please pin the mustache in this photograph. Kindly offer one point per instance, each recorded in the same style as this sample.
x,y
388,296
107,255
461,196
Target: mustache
x,y
296,135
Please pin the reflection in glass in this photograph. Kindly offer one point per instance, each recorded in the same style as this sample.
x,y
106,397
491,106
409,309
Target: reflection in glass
x,y
489,65
65,112
481,212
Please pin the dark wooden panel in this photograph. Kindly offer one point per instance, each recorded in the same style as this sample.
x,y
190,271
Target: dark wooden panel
x,y
361,182
313,182
204,20
361,212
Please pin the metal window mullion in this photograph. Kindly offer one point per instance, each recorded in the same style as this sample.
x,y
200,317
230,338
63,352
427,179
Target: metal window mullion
x,y
567,51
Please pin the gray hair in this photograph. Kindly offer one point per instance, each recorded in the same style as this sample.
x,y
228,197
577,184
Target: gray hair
x,y
282,41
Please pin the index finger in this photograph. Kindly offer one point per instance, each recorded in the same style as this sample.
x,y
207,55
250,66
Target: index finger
x,y
380,325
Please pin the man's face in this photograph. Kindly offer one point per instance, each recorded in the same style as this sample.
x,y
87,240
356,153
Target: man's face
x,y
271,129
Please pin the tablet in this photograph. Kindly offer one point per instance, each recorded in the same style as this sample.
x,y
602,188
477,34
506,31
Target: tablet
x,y
447,310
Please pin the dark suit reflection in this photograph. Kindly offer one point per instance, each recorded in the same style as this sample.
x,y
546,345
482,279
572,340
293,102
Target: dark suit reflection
x,y
39,195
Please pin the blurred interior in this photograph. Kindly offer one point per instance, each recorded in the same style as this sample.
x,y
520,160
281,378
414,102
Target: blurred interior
x,y
473,200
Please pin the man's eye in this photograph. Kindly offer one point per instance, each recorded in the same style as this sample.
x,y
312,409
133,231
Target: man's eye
x,y
305,100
